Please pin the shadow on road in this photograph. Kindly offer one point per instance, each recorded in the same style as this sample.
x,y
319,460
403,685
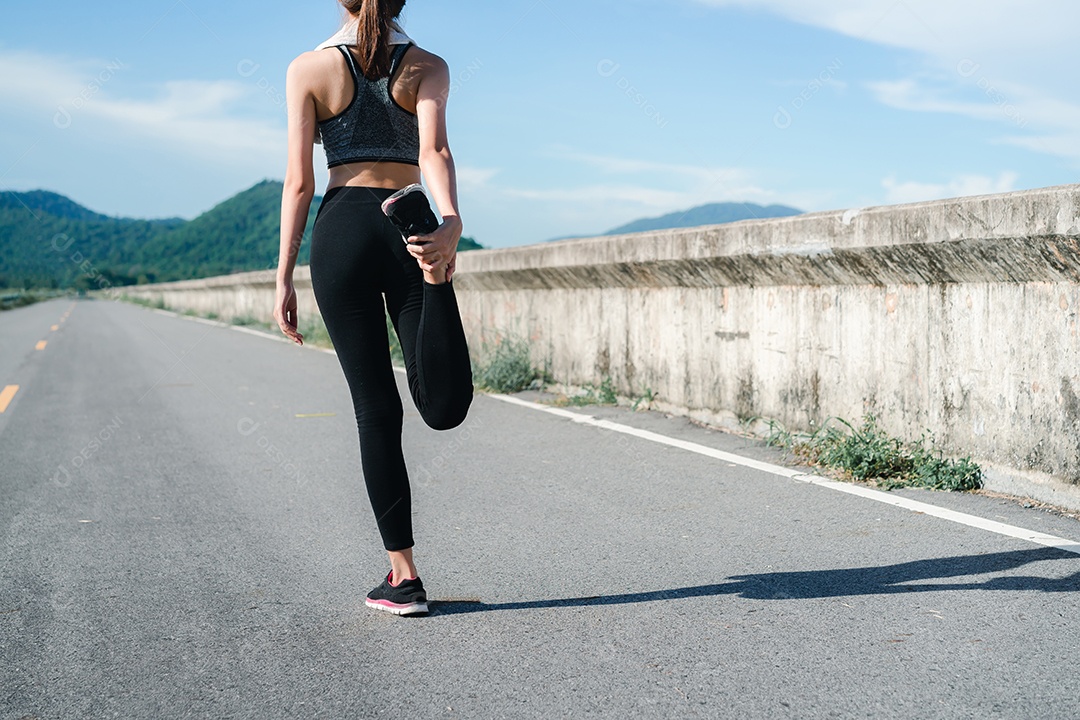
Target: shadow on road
x,y
884,580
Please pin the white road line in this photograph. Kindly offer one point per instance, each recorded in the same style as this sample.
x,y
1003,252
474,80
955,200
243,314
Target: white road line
x,y
240,328
260,333
876,495
870,494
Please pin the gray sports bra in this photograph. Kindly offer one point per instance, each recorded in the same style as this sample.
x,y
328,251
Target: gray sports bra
x,y
373,127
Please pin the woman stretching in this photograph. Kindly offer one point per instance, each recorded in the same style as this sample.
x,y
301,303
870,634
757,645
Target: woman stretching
x,y
379,104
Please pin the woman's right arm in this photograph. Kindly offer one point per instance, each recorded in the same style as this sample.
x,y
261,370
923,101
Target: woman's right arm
x,y
298,192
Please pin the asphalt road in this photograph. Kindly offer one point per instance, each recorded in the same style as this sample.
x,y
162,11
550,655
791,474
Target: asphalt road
x,y
186,534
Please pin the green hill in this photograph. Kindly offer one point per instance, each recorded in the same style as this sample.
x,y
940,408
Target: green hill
x,y
237,235
47,203
712,214
47,240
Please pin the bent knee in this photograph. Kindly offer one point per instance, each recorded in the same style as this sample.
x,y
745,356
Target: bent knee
x,y
449,415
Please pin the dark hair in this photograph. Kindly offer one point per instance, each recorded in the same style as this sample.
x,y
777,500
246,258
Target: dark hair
x,y
373,34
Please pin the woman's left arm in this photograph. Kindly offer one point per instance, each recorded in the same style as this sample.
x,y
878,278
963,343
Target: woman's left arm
x,y
437,167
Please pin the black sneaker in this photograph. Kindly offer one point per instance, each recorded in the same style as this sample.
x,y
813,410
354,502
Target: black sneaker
x,y
410,211
406,598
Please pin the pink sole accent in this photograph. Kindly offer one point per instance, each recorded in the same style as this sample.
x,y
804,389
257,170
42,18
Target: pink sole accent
x,y
397,608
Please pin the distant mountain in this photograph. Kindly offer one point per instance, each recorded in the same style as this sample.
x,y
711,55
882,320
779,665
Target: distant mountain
x,y
239,234
712,214
48,203
48,240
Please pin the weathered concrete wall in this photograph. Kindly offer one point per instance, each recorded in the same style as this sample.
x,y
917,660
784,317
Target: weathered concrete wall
x,y
242,295
958,316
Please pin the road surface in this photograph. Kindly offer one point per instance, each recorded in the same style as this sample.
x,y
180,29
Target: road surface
x,y
186,535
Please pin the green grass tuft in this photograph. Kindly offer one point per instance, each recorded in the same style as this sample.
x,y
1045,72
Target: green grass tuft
x,y
396,354
506,366
604,394
868,453
645,400
158,303
314,331
11,299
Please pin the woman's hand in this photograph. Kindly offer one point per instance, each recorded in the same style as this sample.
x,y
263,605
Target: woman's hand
x,y
437,249
285,311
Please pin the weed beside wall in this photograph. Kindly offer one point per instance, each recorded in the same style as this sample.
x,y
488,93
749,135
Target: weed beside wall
x,y
869,454
11,299
505,366
396,354
158,304
603,394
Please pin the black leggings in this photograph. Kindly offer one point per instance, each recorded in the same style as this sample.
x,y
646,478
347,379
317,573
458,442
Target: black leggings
x,y
357,257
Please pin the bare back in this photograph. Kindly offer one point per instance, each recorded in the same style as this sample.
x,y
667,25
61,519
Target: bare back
x,y
332,89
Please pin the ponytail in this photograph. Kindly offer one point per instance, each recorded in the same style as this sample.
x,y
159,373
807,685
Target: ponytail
x,y
373,33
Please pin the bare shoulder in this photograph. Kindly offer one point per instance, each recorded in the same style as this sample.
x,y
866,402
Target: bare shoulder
x,y
425,61
311,64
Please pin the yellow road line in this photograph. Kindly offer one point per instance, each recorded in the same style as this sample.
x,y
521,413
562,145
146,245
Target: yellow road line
x,y
6,395
54,328
41,345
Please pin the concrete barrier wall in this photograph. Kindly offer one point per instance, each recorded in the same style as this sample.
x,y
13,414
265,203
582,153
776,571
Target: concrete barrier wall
x,y
247,295
959,317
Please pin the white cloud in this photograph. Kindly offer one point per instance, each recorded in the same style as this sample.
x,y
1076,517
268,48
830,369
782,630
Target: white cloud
x,y
44,80
1056,122
688,182
474,178
663,186
938,28
1067,144
962,186
633,166
911,95
1001,61
644,198
627,189
223,121
201,116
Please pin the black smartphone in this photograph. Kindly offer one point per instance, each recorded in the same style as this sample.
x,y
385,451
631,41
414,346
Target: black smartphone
x,y
410,211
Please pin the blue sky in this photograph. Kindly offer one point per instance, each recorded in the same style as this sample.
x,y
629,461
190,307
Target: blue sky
x,y
566,118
